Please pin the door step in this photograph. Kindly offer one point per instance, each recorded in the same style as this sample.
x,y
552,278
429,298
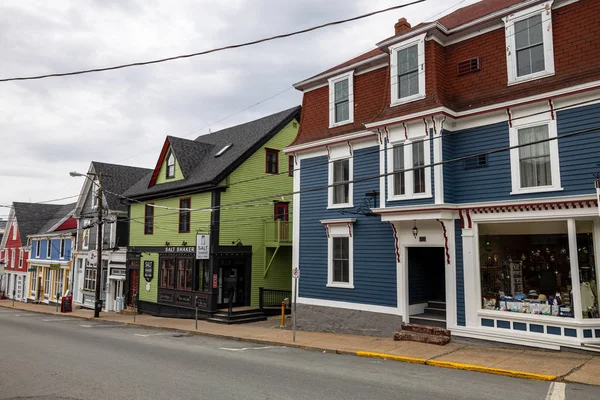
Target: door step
x,y
237,317
423,334
428,320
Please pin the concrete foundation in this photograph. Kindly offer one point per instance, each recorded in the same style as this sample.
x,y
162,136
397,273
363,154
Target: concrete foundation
x,y
353,322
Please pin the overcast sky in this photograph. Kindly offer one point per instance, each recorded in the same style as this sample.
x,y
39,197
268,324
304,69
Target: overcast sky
x,y
52,126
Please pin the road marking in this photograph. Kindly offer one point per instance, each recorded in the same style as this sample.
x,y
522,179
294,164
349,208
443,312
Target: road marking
x,y
85,326
247,348
57,319
556,391
150,334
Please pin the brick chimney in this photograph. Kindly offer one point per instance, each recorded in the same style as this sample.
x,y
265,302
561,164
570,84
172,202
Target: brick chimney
x,y
402,26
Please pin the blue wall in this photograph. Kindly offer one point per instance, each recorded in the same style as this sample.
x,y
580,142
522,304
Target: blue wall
x,y
374,247
55,249
579,158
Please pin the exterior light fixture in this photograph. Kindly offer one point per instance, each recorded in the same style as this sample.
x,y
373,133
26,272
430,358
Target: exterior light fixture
x,y
415,230
184,243
167,244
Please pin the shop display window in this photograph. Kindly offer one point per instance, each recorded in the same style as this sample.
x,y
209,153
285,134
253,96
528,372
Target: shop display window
x,y
587,270
167,273
526,268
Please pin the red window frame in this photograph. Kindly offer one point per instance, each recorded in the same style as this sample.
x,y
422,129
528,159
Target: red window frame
x,y
286,213
267,163
167,273
148,219
185,215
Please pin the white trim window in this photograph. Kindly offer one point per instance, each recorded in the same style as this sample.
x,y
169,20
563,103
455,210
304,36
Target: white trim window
x,y
340,176
94,194
534,168
38,245
529,44
62,248
170,170
85,245
341,99
413,155
340,255
14,231
407,60
48,249
13,255
20,258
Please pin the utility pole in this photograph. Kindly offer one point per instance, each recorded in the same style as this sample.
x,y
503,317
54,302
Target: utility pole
x,y
100,227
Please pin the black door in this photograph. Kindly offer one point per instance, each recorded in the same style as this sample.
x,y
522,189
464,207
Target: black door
x,y
426,274
232,282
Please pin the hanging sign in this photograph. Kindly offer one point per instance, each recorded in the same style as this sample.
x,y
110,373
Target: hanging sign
x,y
148,270
92,257
202,247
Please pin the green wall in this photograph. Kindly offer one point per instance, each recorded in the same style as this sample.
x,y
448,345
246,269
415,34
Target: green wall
x,y
161,178
246,222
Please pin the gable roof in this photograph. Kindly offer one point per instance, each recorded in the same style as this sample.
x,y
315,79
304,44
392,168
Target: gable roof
x,y
61,215
200,167
31,217
118,179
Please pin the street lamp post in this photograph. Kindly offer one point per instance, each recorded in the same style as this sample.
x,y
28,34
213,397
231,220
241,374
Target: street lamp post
x,y
99,226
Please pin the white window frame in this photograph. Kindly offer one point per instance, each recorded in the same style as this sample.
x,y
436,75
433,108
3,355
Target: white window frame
x,y
515,165
38,246
94,194
20,258
62,250
85,243
13,255
332,81
350,203
14,231
511,54
420,42
408,165
48,249
339,229
168,165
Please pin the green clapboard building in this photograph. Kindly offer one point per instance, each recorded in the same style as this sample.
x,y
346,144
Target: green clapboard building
x,y
210,226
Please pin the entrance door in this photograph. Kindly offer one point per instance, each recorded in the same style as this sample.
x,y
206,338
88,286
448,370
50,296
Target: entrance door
x,y
134,282
426,275
232,282
282,214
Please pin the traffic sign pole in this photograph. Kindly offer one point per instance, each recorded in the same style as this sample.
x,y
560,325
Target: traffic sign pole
x,y
296,277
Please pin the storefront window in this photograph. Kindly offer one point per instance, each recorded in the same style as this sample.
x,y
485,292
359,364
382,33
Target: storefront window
x,y
587,270
167,273
525,268
203,276
184,273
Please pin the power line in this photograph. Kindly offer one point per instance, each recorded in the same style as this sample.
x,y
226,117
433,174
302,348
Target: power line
x,y
234,46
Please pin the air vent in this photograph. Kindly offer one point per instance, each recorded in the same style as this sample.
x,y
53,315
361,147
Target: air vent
x,y
469,66
476,162
223,150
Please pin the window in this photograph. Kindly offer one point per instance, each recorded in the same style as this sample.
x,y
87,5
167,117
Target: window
x,y
89,281
14,231
33,282
38,244
86,234
340,253
47,287
94,194
20,258
167,273
184,215
62,248
529,46
408,163
340,176
185,269
48,248
170,165
272,161
149,219
290,165
341,99
407,60
13,256
535,167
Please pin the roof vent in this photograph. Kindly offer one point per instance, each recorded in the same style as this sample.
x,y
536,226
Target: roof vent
x,y
469,66
223,150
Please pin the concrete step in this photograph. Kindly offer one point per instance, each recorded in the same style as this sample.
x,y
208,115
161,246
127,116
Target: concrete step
x,y
428,319
438,305
237,321
238,315
429,330
421,337
435,311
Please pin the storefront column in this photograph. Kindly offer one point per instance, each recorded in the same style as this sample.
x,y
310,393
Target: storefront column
x,y
596,237
470,276
574,261
450,262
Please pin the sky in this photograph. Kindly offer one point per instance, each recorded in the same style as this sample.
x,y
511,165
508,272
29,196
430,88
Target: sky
x,y
52,126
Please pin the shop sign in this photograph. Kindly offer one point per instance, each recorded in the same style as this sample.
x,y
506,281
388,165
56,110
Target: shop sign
x,y
202,247
54,266
215,280
118,272
148,270
32,269
92,257
184,298
166,297
179,249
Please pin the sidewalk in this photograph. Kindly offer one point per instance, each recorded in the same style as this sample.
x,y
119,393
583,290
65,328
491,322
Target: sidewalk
x,y
529,364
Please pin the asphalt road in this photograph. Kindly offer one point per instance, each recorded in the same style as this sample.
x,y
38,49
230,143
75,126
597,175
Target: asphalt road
x,y
56,357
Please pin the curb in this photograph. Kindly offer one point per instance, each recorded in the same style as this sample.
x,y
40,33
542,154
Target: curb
x,y
465,367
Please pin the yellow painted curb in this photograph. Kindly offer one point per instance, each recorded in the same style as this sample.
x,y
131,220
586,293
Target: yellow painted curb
x,y
411,360
488,370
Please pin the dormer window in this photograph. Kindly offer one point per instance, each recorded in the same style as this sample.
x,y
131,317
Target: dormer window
x,y
407,60
529,46
170,165
341,100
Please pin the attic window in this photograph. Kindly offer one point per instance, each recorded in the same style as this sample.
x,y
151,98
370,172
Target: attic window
x,y
469,66
170,165
223,150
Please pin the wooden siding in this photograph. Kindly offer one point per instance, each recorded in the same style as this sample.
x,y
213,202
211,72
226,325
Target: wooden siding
x,y
374,248
460,276
151,295
55,249
162,173
246,221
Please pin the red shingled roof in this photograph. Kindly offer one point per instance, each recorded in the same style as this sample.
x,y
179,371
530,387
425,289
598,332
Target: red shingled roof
x,y
365,56
475,11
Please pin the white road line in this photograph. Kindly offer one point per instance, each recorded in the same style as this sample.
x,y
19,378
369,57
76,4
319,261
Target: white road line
x,y
149,334
85,326
556,391
57,319
247,348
